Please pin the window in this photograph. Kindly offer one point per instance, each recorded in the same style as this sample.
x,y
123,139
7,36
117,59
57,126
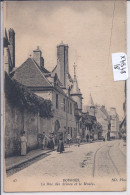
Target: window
x,y
64,105
71,132
68,130
80,124
57,101
70,108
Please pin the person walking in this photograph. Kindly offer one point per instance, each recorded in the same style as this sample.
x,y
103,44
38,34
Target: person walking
x,y
60,147
87,137
23,142
69,139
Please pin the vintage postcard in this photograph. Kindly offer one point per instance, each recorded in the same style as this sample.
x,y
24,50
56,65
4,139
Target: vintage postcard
x,y
65,72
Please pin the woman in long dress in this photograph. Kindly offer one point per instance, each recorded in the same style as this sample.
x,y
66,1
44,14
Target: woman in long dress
x,y
60,147
23,144
50,142
44,140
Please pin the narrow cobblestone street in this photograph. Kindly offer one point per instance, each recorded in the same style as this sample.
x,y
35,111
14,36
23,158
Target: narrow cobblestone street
x,y
92,160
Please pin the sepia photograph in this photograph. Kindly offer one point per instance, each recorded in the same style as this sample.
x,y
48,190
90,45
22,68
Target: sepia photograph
x,y
64,113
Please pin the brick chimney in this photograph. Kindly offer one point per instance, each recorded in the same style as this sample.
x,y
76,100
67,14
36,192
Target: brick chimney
x,y
37,56
42,62
62,56
12,46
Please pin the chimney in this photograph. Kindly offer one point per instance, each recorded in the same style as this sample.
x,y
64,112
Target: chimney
x,y
12,46
42,62
62,56
6,60
37,56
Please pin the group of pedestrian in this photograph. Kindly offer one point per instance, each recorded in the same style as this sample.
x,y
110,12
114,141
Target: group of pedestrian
x,y
48,142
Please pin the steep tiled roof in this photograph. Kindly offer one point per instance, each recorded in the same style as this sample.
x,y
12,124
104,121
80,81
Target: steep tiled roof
x,y
44,70
29,74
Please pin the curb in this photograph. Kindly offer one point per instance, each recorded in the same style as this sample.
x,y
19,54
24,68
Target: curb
x,y
27,160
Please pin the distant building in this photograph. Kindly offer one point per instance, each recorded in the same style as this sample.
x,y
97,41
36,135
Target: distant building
x,y
123,130
114,120
100,113
88,122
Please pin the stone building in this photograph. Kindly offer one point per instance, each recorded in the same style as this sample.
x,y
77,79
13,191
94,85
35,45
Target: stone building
x,y
101,114
123,123
88,122
114,120
56,85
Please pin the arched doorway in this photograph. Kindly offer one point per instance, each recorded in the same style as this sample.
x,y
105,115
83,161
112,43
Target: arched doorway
x,y
56,130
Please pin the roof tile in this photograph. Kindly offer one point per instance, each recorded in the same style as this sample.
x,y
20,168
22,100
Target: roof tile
x,y
29,74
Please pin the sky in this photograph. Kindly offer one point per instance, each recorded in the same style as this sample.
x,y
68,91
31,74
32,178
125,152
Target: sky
x,y
92,29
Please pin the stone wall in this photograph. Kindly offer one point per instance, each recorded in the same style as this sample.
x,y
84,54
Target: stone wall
x,y
31,129
17,120
13,128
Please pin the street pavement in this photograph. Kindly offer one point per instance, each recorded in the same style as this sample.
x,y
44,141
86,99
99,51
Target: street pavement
x,y
92,160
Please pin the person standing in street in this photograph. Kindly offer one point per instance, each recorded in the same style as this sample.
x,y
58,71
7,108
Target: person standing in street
x,y
60,147
23,141
78,140
87,137
53,138
44,139
69,139
50,142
